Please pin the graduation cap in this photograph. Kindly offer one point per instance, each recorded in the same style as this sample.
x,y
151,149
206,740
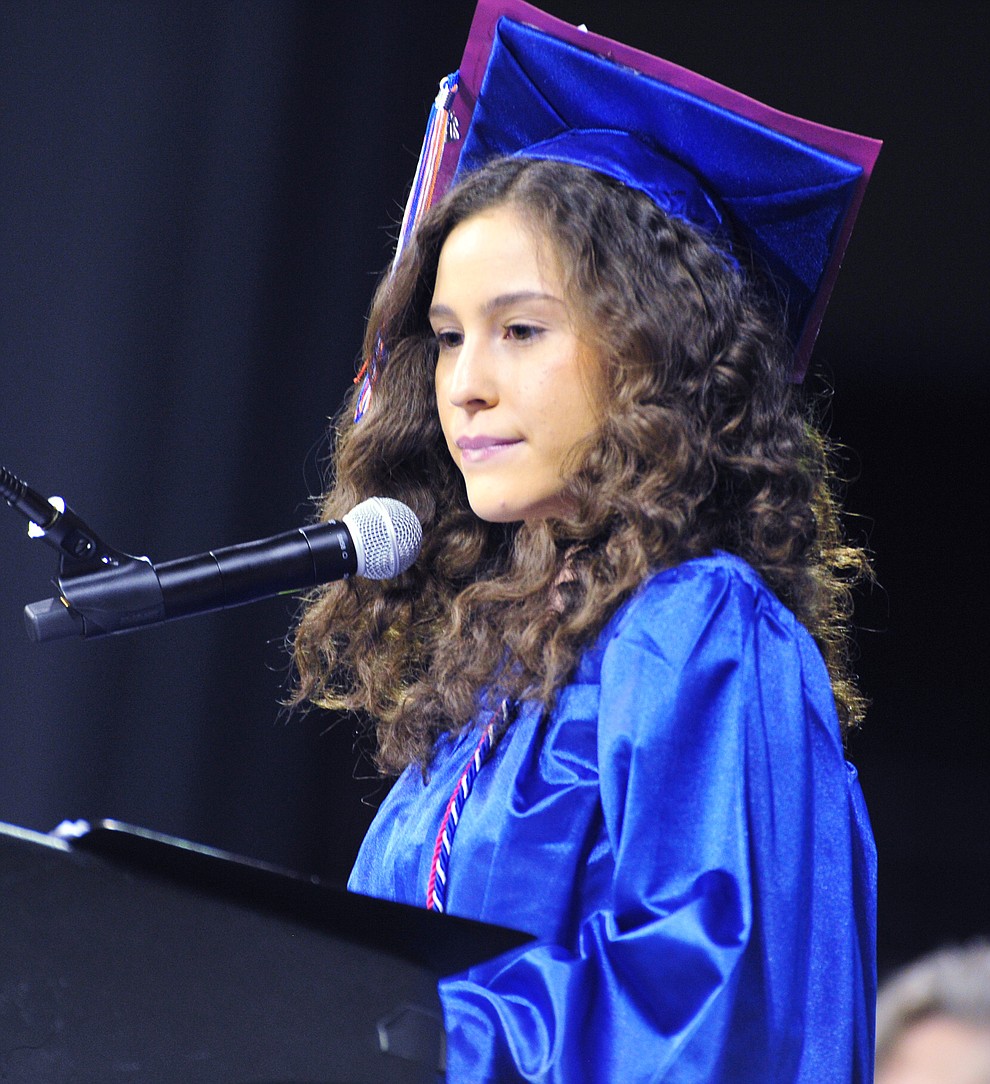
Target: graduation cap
x,y
784,189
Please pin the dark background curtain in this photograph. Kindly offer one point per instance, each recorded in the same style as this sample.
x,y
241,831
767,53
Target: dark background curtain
x,y
196,197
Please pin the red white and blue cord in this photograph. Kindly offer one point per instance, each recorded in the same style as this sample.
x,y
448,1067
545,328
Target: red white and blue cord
x,y
436,891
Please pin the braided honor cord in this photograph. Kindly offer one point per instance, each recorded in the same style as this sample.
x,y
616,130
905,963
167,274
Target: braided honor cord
x,y
436,891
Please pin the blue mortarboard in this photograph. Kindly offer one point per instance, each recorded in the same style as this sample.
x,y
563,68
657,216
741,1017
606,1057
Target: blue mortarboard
x,y
785,189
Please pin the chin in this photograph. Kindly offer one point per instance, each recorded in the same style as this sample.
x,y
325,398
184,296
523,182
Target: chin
x,y
502,511
495,513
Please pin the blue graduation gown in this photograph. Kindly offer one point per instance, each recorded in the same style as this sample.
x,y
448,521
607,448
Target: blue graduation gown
x,y
685,839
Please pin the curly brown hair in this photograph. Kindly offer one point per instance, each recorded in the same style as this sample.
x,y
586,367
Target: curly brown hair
x,y
705,445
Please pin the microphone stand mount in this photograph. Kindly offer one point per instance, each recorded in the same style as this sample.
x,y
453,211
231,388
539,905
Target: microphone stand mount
x,y
89,573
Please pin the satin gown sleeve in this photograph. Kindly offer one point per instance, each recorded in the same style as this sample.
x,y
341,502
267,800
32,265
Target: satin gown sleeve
x,y
724,914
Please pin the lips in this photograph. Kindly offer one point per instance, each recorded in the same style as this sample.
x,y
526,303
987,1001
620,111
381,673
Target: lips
x,y
482,448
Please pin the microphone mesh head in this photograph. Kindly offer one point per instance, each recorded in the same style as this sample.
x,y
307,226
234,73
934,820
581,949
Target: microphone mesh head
x,y
386,535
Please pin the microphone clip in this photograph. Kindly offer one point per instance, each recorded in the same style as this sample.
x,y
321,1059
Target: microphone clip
x,y
90,572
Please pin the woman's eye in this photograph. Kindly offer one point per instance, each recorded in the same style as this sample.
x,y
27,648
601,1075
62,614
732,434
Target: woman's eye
x,y
522,332
448,340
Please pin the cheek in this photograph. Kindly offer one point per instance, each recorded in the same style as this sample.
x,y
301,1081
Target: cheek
x,y
444,413
439,399
437,384
578,411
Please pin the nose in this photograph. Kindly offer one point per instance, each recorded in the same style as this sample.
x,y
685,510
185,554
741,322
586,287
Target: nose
x,y
468,375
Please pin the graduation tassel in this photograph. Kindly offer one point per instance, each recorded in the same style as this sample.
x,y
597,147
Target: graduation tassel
x,y
440,129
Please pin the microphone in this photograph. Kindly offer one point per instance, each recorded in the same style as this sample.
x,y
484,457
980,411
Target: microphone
x,y
111,592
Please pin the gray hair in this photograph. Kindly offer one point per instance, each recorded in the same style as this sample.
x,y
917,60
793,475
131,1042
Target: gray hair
x,y
953,982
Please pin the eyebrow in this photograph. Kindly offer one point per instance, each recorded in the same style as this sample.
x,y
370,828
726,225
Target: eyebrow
x,y
500,302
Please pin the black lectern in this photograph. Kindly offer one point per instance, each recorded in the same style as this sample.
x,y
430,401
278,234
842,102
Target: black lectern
x,y
130,956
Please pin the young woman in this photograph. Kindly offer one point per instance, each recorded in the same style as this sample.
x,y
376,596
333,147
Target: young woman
x,y
614,686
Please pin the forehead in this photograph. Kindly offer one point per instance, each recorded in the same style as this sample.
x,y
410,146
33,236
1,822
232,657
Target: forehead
x,y
498,244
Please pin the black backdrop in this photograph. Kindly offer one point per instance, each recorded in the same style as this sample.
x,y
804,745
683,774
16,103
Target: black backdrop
x,y
195,199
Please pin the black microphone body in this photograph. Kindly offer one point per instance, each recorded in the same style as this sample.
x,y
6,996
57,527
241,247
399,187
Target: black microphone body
x,y
134,593
255,570
103,591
